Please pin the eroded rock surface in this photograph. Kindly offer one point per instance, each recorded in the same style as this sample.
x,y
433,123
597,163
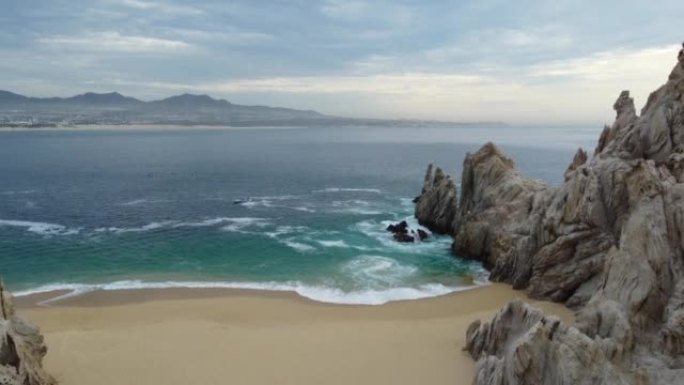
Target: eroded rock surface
x,y
21,348
609,242
436,205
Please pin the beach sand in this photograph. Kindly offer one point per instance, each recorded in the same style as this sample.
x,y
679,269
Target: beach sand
x,y
197,336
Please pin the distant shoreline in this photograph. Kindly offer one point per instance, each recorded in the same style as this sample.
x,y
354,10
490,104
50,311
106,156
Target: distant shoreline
x,y
144,127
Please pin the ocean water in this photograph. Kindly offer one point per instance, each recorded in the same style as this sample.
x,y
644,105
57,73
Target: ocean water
x,y
110,210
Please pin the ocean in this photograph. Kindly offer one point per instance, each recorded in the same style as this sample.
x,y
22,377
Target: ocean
x,y
122,209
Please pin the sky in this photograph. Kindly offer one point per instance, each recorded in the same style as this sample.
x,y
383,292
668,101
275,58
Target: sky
x,y
522,62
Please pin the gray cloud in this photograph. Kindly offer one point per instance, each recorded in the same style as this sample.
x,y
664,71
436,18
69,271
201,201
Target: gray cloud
x,y
404,58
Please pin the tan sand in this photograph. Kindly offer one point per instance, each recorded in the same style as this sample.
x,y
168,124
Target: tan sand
x,y
168,337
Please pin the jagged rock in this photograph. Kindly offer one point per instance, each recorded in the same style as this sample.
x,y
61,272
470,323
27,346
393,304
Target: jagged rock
x,y
401,227
422,234
522,346
436,206
497,206
402,233
21,348
608,242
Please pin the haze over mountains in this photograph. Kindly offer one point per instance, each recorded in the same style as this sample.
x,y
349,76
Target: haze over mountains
x,y
186,109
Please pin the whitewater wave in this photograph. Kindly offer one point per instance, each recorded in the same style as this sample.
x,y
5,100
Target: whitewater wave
x,y
304,209
377,230
334,243
349,189
312,292
143,201
358,211
232,224
378,272
41,228
354,206
298,246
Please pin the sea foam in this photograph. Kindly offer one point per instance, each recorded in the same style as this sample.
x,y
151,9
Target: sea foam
x,y
349,189
312,292
41,228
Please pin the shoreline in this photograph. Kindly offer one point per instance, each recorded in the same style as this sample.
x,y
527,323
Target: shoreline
x,y
217,336
61,298
147,127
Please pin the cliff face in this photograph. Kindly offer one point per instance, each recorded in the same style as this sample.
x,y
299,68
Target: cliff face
x,y
609,242
21,348
436,207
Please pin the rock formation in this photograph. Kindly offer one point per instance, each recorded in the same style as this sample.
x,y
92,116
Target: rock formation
x,y
21,348
609,242
403,234
436,206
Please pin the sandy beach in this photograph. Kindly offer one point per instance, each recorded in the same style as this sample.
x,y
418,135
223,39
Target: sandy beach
x,y
197,336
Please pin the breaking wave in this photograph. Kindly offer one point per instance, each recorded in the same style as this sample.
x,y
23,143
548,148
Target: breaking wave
x,y
312,292
40,228
349,189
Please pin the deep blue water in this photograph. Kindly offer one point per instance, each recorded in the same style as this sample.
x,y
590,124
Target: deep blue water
x,y
121,209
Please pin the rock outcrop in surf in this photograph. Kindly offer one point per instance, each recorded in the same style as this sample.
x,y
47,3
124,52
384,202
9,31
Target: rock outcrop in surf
x,y
609,242
21,348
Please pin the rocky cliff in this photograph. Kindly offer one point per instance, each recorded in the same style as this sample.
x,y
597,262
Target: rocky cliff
x,y
608,242
21,348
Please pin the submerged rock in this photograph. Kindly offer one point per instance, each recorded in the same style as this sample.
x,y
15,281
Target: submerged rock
x,y
608,242
21,348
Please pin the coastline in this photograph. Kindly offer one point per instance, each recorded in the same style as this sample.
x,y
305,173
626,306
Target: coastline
x,y
214,336
145,127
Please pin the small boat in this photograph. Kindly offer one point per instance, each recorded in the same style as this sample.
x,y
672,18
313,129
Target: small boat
x,y
241,201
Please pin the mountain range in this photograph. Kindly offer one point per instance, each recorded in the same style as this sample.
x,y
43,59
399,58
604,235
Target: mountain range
x,y
185,109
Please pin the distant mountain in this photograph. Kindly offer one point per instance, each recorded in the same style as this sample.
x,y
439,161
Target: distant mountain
x,y
185,109
10,97
114,108
192,101
108,99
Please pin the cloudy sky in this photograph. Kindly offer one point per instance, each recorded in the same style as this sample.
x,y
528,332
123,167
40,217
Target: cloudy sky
x,y
524,61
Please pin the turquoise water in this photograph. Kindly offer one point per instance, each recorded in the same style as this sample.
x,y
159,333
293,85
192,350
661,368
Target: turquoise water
x,y
112,210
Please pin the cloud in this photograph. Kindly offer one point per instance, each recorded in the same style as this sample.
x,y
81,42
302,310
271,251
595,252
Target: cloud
x,y
154,6
379,12
489,59
345,9
114,41
620,64
578,90
227,35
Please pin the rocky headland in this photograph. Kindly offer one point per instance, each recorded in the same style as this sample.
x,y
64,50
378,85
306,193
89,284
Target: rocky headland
x,y
609,242
21,348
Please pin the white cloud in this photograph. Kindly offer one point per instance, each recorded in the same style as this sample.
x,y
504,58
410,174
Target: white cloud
x,y
578,90
228,36
114,41
622,64
345,9
145,5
